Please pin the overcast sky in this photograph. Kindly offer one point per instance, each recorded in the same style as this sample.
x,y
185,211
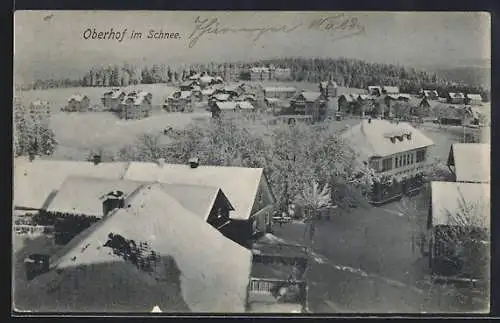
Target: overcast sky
x,y
51,43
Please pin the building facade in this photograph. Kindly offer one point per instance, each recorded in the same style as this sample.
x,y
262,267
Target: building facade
x,y
397,152
309,103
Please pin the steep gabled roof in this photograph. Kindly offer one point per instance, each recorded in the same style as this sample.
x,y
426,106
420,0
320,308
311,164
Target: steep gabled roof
x,y
212,271
241,192
471,161
372,138
226,106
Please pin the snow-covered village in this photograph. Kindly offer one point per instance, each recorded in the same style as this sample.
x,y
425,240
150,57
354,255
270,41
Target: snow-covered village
x,y
234,175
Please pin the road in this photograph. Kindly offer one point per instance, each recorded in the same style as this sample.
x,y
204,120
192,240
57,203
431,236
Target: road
x,y
365,261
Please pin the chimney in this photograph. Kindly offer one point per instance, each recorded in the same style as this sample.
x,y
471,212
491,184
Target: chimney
x,y
113,200
96,159
161,162
194,162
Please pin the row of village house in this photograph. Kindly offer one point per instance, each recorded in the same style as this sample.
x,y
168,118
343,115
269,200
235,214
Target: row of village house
x,y
132,105
214,219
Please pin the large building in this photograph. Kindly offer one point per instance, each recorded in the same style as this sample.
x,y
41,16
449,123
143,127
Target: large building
x,y
396,151
309,104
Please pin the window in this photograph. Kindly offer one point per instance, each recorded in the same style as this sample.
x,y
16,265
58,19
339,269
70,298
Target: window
x,y
420,155
375,164
386,164
219,213
396,162
411,158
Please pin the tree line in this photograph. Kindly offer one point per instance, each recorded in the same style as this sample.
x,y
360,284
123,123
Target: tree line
x,y
32,135
346,72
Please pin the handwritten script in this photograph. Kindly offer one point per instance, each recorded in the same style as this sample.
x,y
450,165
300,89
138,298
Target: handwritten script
x,y
338,25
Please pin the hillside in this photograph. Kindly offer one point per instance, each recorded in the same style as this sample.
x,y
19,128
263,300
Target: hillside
x,y
468,75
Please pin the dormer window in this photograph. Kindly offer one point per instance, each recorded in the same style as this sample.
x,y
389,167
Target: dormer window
x,y
400,138
408,136
393,140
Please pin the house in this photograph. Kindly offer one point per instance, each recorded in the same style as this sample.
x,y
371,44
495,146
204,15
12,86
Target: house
x,y
70,213
179,101
250,194
234,90
278,278
328,89
459,228
419,106
247,97
309,103
111,99
245,106
470,163
430,94
449,114
194,77
136,105
281,74
455,98
77,103
347,102
375,90
474,99
151,252
277,106
390,90
396,151
282,93
260,74
188,85
223,108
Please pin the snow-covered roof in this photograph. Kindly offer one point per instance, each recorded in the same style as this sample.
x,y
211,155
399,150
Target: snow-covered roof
x,y
222,97
77,97
391,89
454,95
471,161
226,106
280,89
84,195
373,138
474,97
199,269
310,96
245,105
35,181
460,203
241,193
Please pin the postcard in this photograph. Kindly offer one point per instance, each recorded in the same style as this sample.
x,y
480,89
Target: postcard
x,y
242,162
